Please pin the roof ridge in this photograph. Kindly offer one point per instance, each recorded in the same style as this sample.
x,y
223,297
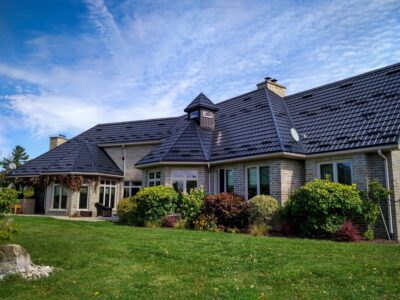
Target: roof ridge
x,y
201,142
274,120
90,154
344,79
142,120
291,120
169,149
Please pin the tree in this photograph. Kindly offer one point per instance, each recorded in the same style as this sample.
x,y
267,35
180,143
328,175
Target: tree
x,y
18,156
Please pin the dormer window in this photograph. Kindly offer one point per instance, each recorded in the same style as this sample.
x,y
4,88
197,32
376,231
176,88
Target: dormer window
x,y
194,114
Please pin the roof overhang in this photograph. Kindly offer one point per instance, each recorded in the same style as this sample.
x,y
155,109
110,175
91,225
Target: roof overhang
x,y
130,144
67,173
358,150
173,163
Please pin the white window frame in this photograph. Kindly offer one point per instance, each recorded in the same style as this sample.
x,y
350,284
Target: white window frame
x,y
225,179
185,179
60,197
258,179
79,198
110,185
131,185
334,165
155,179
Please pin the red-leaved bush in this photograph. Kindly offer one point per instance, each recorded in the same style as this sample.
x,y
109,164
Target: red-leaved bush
x,y
229,210
348,233
169,221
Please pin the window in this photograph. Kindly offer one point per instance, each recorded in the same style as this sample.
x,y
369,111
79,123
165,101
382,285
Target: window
x,y
225,180
184,180
257,181
194,114
83,198
107,193
131,188
154,178
337,172
60,195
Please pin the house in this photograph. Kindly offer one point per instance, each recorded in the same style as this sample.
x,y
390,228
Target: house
x,y
261,142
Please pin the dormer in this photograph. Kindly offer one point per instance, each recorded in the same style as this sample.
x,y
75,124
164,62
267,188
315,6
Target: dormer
x,y
203,111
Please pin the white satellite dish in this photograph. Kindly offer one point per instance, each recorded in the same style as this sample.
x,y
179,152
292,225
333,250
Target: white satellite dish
x,y
12,166
294,134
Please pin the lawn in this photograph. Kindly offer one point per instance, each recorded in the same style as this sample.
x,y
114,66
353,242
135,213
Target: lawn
x,y
104,260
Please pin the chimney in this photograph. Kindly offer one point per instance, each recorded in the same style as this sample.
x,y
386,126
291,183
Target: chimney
x,y
57,140
273,86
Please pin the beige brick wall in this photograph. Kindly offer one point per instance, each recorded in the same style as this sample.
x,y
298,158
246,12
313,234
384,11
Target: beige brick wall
x,y
394,178
133,155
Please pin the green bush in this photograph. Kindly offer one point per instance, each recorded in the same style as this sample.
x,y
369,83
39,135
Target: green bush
x,y
262,208
152,203
126,210
8,198
190,203
28,192
320,207
376,193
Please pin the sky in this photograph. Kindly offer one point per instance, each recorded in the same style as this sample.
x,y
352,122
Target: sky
x,y
66,66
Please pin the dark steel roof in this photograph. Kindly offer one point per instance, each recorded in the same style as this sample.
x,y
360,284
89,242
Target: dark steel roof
x,y
357,112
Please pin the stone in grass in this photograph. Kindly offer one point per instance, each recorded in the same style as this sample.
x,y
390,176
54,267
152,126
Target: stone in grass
x,y
14,259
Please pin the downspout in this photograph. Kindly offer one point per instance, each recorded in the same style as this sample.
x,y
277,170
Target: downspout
x,y
209,179
124,159
388,198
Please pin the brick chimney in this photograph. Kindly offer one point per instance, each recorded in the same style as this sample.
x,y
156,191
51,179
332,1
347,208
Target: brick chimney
x,y
57,140
273,86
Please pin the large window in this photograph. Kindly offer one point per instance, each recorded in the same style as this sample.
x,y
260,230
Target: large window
x,y
225,180
131,188
257,181
184,180
336,171
107,193
60,195
83,198
154,178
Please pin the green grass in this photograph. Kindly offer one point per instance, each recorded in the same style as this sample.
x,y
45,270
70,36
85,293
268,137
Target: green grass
x,y
104,260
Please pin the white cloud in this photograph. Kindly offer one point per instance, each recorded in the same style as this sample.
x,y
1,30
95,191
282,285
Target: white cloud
x,y
149,63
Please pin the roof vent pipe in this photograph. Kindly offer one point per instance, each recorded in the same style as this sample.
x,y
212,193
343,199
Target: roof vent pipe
x,y
388,198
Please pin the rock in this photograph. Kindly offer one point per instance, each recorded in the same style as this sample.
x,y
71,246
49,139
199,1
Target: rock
x,y
14,259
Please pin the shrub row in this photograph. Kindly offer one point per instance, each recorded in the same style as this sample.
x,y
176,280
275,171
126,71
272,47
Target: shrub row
x,y
320,208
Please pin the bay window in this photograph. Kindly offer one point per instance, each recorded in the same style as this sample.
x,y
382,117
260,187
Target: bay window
x,y
154,178
336,171
225,180
257,181
131,188
60,196
184,180
107,193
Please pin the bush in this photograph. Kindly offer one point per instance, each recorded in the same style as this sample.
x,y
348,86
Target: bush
x,y
262,208
169,221
152,203
229,210
259,229
348,233
376,193
126,210
28,192
205,223
320,207
189,204
8,198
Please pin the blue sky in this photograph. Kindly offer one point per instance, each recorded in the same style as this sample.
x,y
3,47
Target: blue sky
x,y
68,65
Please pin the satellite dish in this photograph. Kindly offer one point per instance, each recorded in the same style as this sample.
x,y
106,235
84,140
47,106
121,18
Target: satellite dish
x,y
12,166
294,134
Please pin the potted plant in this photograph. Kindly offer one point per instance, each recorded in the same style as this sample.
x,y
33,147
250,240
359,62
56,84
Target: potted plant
x,y
28,201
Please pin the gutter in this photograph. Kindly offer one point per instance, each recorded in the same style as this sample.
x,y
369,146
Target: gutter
x,y
389,204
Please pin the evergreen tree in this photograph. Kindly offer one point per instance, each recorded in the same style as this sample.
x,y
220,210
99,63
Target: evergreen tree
x,y
18,156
